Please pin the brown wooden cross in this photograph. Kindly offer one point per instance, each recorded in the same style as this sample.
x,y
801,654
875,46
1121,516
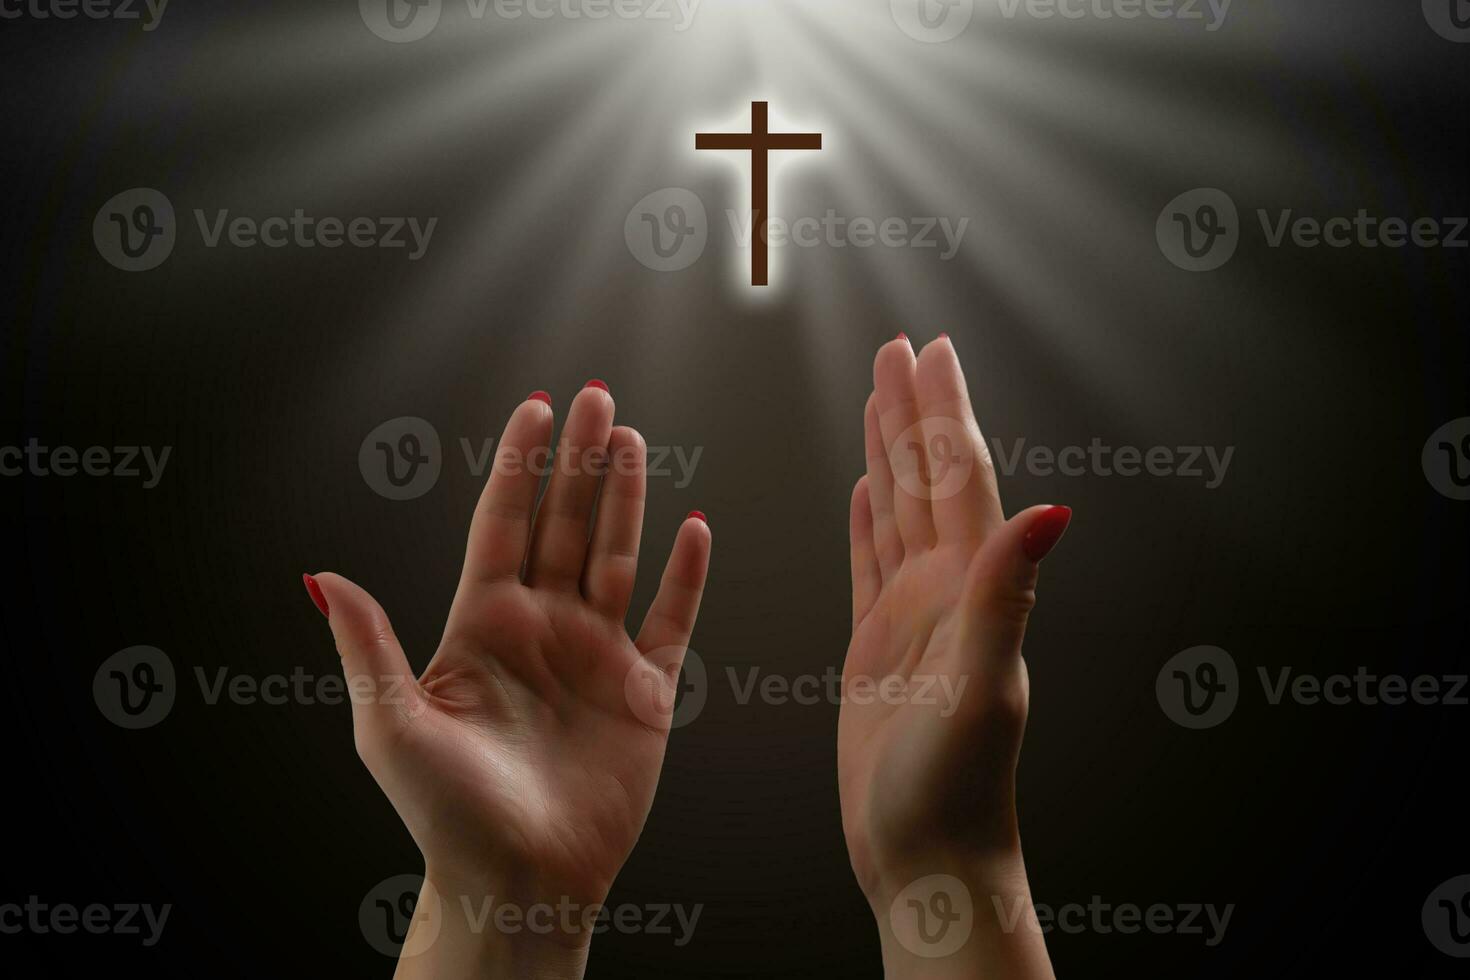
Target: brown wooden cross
x,y
759,141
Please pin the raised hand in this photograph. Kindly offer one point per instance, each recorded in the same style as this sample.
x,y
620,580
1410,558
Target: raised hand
x,y
524,760
935,688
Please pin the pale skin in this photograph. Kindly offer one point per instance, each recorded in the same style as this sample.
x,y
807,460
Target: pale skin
x,y
524,760
943,585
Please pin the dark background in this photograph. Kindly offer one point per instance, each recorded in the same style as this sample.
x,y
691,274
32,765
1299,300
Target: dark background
x,y
1325,548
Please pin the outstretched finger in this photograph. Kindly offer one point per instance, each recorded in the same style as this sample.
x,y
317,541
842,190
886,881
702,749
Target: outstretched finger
x,y
903,438
670,620
501,528
964,496
612,561
887,543
564,520
385,695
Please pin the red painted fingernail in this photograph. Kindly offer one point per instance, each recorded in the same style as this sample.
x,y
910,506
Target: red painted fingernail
x,y
903,336
315,591
944,336
1046,532
594,383
540,396
699,516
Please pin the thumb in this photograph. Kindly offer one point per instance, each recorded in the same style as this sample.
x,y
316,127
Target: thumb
x,y
1002,579
380,683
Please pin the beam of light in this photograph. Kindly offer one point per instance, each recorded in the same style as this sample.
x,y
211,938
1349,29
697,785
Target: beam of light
x,y
994,126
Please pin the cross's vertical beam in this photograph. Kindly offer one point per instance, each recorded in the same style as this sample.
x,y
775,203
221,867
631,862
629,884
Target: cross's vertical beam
x,y
760,191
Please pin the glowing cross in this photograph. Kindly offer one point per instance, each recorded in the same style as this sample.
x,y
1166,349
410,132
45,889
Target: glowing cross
x,y
759,141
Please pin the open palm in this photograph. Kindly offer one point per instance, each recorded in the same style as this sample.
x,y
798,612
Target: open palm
x,y
524,760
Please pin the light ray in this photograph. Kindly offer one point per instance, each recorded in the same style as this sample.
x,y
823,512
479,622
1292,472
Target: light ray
x,y
1004,126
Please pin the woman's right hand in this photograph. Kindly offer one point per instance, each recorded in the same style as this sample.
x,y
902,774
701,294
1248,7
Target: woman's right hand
x,y
935,687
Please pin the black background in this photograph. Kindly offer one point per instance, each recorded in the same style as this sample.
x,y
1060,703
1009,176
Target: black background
x,y
1325,549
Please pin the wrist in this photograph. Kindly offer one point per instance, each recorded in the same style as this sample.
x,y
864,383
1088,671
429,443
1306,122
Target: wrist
x,y
990,869
956,913
886,870
467,927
